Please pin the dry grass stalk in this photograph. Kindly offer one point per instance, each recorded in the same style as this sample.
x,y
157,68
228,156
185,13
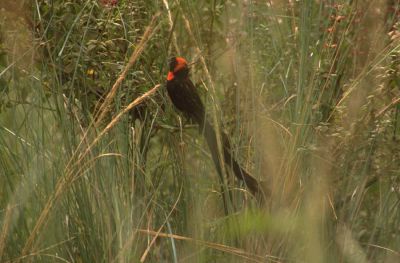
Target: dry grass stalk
x,y
99,115
64,180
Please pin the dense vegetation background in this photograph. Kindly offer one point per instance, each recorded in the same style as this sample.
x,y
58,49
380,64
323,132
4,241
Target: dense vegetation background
x,y
307,90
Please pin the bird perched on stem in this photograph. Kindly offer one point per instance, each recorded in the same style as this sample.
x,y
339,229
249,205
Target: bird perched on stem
x,y
186,99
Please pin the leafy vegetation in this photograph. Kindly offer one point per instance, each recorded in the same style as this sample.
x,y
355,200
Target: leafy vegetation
x,y
93,171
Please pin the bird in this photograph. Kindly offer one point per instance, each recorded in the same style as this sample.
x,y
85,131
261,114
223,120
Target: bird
x,y
186,99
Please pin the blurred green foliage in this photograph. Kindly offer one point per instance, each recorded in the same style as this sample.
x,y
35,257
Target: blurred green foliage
x,y
307,90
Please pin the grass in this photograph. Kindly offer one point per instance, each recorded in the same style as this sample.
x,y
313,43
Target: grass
x,y
97,166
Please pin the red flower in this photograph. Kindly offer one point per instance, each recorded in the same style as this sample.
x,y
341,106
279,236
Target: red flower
x,y
109,3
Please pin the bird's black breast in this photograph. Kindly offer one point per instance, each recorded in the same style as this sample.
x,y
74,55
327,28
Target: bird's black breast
x,y
184,96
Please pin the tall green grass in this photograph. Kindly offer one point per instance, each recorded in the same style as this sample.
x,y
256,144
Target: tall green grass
x,y
307,90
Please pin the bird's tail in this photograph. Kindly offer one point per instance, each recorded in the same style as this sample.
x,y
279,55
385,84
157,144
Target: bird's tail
x,y
211,138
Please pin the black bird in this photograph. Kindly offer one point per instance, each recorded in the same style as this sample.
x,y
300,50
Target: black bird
x,y
184,96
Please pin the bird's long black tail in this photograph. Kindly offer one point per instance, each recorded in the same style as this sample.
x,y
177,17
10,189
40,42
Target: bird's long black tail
x,y
211,138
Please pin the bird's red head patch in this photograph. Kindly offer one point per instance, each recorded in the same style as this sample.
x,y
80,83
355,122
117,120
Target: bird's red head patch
x,y
180,64
176,64
170,76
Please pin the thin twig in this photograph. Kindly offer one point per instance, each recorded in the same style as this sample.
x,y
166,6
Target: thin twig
x,y
393,103
146,252
171,26
116,119
232,250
